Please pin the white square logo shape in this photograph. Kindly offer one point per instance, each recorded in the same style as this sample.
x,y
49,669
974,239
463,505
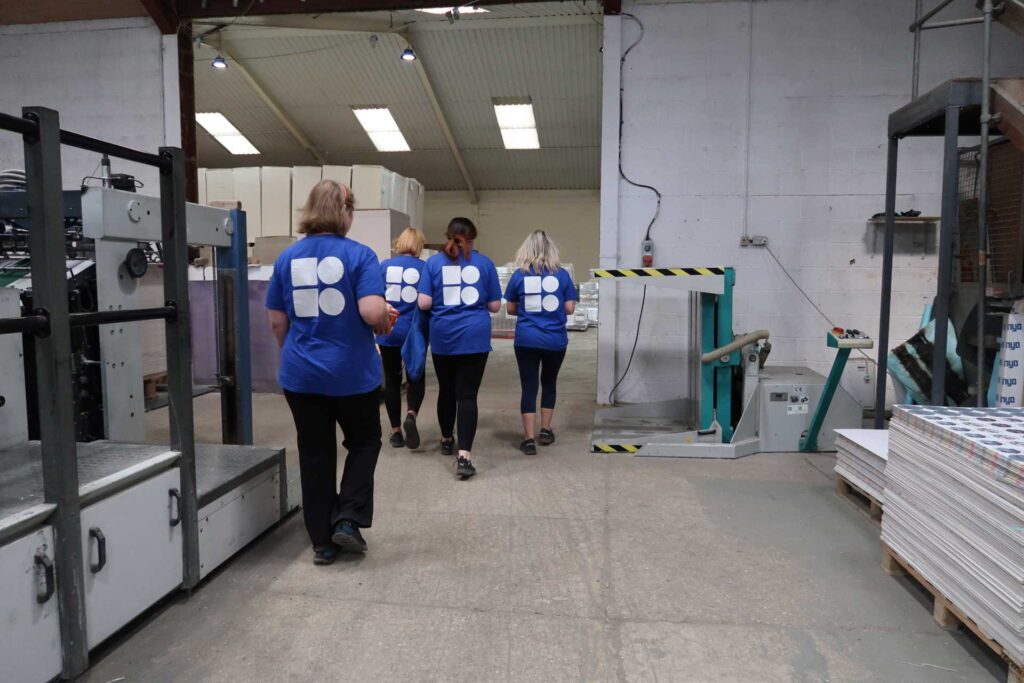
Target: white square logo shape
x,y
451,275
531,284
393,275
452,295
393,292
533,301
304,272
306,302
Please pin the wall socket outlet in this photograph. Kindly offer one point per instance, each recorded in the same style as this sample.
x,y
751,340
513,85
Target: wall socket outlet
x,y
753,241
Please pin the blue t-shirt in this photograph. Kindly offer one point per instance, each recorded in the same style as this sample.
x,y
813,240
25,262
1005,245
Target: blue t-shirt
x,y
329,349
459,320
541,297
401,289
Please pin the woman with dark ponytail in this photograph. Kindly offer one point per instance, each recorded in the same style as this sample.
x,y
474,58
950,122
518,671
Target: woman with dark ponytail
x,y
460,289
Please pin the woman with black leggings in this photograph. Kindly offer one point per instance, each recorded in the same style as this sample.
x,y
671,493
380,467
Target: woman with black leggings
x,y
401,281
460,289
541,294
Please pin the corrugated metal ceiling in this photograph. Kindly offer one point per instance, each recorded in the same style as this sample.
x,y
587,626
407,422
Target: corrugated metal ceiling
x,y
317,76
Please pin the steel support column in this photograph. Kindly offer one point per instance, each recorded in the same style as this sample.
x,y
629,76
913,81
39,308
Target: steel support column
x,y
234,365
881,372
986,120
53,368
947,226
179,351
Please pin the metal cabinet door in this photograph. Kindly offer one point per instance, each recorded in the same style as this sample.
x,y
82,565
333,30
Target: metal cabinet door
x,y
132,552
30,643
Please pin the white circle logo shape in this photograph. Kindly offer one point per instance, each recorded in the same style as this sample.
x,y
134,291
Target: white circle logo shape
x,y
330,270
470,275
411,276
550,283
409,294
332,301
550,303
470,295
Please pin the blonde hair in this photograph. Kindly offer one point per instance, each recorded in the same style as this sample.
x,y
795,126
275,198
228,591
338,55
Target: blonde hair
x,y
539,252
409,242
328,209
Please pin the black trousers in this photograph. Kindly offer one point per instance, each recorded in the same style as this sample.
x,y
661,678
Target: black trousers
x,y
323,503
392,358
548,363
458,383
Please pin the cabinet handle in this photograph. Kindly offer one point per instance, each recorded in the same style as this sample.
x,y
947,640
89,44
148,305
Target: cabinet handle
x,y
101,548
41,560
176,496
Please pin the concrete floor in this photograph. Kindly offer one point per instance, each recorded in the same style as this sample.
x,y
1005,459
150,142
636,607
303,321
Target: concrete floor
x,y
566,566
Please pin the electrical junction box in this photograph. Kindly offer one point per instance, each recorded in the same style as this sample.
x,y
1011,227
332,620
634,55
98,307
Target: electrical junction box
x,y
647,253
789,396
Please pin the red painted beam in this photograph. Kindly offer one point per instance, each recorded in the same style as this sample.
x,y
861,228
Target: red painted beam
x,y
198,9
163,14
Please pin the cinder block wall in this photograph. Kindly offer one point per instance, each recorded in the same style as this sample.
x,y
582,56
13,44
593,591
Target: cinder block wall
x,y
772,116
104,77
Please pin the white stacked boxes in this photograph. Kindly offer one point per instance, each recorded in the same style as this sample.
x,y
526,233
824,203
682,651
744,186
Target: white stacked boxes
x,y
861,455
247,191
202,186
414,203
276,194
372,186
954,510
400,193
340,174
220,185
303,180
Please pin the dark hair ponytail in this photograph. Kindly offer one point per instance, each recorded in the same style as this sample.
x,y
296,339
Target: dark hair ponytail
x,y
460,233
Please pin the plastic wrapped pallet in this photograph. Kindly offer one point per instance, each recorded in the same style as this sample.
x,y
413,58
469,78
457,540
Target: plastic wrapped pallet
x,y
1011,360
954,510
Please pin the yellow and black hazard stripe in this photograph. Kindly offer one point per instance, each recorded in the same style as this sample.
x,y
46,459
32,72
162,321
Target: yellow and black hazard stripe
x,y
656,272
616,447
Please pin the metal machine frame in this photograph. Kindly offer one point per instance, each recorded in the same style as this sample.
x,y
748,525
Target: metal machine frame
x,y
225,474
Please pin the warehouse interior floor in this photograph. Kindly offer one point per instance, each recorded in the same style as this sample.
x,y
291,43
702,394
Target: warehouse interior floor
x,y
564,566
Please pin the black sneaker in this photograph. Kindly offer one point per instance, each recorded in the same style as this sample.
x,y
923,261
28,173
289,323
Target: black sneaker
x,y
447,446
528,447
465,469
347,537
325,555
412,435
396,440
546,438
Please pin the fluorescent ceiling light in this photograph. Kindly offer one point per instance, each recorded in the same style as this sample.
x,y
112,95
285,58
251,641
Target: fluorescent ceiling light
x,y
217,125
517,123
380,125
445,10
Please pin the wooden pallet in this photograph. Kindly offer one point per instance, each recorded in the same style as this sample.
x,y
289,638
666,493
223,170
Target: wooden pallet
x,y
945,613
859,499
150,382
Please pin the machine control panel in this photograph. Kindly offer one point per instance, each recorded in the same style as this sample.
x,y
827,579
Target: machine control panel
x,y
839,338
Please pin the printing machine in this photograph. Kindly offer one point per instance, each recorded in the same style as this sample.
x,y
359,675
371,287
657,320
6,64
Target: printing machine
x,y
93,533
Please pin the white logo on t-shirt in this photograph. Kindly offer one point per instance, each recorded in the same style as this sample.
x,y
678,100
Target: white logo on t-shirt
x,y
452,279
534,288
307,275
401,283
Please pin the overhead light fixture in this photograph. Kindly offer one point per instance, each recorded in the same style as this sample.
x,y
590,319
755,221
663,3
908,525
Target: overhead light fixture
x,y
217,125
455,11
517,123
408,55
380,125
219,63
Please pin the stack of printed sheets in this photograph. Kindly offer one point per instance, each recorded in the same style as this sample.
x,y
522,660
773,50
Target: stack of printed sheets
x,y
954,510
860,459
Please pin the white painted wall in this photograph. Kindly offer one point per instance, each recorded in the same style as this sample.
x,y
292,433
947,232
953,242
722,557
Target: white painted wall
x,y
771,115
505,218
106,78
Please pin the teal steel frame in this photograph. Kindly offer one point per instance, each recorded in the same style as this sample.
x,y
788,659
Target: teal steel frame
x,y
809,442
716,376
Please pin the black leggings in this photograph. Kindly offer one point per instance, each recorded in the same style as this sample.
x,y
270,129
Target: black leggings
x,y
530,361
392,358
458,382
316,422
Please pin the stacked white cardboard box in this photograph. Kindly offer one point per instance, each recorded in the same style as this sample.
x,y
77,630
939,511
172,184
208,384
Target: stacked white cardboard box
x,y
954,510
860,459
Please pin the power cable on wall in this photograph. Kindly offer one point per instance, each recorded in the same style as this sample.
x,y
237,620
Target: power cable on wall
x,y
651,188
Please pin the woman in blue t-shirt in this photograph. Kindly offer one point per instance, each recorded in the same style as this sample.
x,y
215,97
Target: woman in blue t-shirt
x,y
460,289
401,281
325,301
540,293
